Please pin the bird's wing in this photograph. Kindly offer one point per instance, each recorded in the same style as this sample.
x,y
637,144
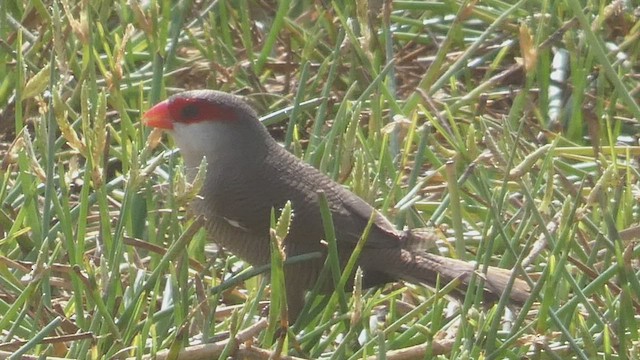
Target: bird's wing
x,y
301,183
351,215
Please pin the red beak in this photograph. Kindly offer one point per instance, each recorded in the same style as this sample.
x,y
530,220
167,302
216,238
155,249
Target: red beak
x,y
159,116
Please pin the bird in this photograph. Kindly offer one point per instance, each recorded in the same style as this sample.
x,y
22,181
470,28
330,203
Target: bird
x,y
249,173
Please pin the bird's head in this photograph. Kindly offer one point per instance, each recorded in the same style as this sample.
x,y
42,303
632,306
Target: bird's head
x,y
209,123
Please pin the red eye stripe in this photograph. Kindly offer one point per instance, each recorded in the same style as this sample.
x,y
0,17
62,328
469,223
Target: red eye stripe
x,y
192,110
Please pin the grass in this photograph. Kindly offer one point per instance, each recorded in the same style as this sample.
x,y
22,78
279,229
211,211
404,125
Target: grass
x,y
510,129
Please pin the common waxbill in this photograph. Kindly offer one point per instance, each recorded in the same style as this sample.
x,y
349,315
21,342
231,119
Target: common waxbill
x,y
249,173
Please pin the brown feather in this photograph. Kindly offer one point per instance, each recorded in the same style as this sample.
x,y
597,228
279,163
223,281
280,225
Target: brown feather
x,y
249,174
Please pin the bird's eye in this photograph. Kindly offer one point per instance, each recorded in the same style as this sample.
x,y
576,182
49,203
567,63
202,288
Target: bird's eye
x,y
189,111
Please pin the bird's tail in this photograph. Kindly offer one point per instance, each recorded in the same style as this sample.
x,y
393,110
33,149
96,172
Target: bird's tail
x,y
422,267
